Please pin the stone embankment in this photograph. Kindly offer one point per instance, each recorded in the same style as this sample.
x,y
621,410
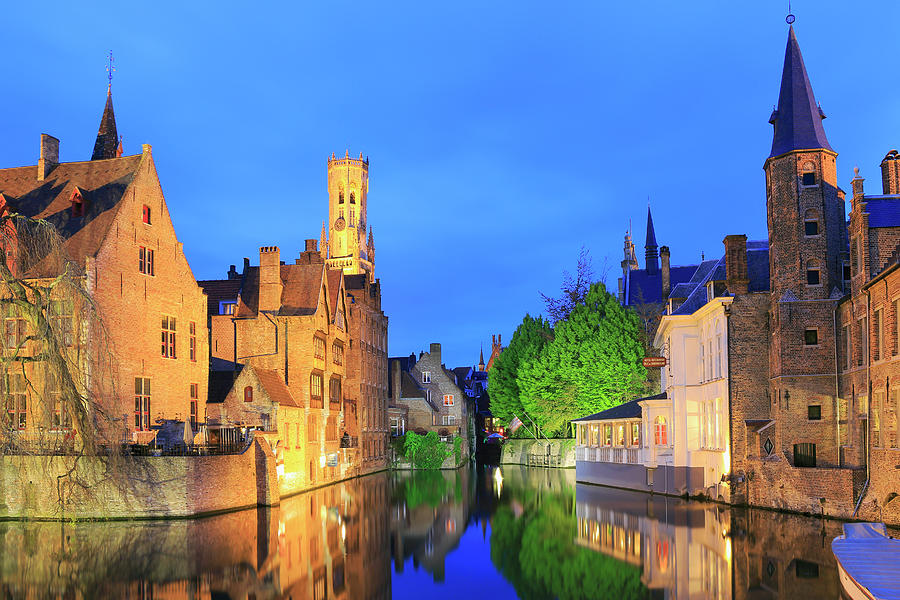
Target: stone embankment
x,y
549,453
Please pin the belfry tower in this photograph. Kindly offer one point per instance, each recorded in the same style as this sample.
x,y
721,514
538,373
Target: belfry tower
x,y
348,189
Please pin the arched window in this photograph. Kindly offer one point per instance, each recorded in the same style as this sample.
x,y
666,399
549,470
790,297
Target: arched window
x,y
341,197
248,394
352,198
813,272
810,223
661,434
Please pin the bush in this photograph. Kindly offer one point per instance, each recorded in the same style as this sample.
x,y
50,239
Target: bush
x,y
425,452
457,449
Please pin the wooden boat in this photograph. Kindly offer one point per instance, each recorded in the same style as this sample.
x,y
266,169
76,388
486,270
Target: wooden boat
x,y
868,562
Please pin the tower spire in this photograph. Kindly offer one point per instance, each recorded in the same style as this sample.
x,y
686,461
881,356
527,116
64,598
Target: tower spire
x,y
797,118
323,242
481,360
651,250
107,142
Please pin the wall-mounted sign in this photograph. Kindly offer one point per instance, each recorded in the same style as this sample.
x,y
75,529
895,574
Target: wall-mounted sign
x,y
654,362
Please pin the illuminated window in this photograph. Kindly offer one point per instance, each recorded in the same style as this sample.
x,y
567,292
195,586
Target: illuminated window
x,y
661,436
448,399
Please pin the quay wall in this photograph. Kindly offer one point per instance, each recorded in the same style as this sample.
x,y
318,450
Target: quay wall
x,y
516,451
64,487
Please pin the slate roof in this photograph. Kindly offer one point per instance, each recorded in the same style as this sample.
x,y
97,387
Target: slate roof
x,y
626,410
884,211
714,270
220,383
219,290
107,142
797,119
102,184
646,288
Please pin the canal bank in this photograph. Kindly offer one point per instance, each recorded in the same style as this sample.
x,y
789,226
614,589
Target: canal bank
x,y
539,453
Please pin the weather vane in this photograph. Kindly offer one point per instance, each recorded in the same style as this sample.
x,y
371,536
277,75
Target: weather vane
x,y
790,18
110,68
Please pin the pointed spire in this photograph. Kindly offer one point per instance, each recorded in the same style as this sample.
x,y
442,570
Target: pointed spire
x,y
107,137
481,360
323,242
651,253
370,247
797,118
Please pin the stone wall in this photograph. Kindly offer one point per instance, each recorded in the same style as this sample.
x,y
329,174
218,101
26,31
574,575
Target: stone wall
x,y
517,451
141,487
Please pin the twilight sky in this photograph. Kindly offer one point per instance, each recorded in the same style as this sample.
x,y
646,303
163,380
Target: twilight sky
x,y
502,136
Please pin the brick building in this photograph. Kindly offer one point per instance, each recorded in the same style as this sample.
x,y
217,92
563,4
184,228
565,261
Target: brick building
x,y
351,252
288,320
116,229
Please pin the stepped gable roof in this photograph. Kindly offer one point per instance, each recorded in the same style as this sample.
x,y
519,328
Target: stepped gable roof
x,y
714,270
102,185
302,285
883,211
107,142
275,388
219,290
797,119
626,410
646,288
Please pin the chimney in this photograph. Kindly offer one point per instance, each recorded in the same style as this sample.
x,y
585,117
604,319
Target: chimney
x,y
269,278
311,246
890,173
395,380
666,280
435,352
246,264
232,272
49,156
736,278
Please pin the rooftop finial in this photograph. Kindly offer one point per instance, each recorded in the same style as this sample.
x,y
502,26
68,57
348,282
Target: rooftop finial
x,y
109,70
789,19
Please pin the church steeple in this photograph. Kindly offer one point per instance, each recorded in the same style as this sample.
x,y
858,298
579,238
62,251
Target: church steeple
x,y
797,118
107,138
323,243
651,250
481,360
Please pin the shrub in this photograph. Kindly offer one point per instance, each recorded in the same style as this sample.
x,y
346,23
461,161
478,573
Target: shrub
x,y
425,452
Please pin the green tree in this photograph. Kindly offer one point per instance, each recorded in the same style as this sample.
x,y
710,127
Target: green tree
x,y
592,363
527,342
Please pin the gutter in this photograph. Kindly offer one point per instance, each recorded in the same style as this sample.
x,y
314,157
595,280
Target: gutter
x,y
727,308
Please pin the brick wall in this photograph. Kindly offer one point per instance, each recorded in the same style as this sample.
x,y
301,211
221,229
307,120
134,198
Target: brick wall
x,y
166,486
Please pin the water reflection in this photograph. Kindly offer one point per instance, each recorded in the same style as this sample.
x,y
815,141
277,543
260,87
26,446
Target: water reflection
x,y
515,532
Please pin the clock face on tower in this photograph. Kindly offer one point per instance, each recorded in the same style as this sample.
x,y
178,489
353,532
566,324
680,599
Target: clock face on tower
x,y
339,224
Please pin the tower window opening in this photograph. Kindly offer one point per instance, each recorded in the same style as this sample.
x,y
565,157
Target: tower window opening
x,y
809,179
813,273
810,223
340,197
352,198
811,337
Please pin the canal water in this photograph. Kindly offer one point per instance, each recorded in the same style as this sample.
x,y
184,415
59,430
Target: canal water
x,y
485,532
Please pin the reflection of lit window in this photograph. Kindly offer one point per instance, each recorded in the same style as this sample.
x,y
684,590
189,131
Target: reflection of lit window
x,y
451,525
662,556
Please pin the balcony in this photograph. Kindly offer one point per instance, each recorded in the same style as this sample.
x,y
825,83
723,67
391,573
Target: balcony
x,y
610,454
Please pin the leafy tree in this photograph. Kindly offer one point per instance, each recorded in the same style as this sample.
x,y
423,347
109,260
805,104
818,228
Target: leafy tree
x,y
526,344
425,451
592,363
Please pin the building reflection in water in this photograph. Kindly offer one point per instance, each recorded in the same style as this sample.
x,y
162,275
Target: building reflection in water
x,y
538,532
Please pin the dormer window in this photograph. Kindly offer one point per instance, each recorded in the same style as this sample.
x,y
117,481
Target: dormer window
x,y
77,204
145,214
714,289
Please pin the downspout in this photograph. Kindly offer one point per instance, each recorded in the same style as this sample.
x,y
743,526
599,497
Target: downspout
x,y
727,308
862,494
837,388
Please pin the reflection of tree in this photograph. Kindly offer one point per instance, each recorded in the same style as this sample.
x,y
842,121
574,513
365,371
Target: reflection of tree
x,y
536,552
428,487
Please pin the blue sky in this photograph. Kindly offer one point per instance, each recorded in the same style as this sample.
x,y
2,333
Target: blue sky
x,y
502,136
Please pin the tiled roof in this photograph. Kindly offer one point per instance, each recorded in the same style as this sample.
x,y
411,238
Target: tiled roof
x,y
275,388
797,119
219,290
626,410
102,184
355,282
334,288
884,211
220,383
299,295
